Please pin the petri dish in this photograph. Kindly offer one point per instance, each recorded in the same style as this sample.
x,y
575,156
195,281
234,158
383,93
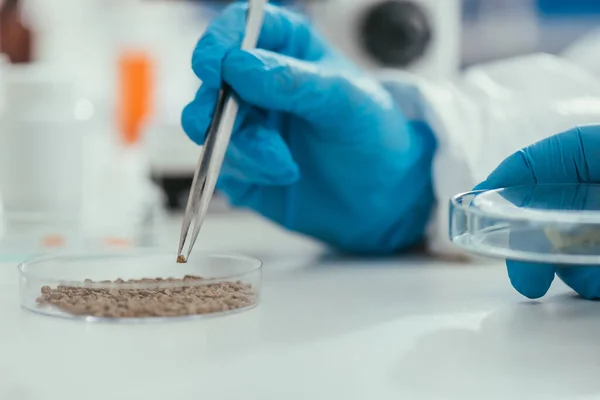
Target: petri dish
x,y
122,286
25,235
543,223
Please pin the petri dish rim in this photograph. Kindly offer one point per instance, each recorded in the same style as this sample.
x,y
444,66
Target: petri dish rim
x,y
535,215
37,260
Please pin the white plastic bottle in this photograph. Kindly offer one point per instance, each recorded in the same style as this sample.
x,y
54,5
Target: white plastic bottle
x,y
41,143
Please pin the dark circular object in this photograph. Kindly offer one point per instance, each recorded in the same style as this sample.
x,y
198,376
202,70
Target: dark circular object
x,y
396,33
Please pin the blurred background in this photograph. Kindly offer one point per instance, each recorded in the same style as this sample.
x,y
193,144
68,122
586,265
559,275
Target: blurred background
x,y
91,93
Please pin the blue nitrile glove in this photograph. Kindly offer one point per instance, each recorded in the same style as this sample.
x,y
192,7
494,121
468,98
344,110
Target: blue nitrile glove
x,y
569,157
318,147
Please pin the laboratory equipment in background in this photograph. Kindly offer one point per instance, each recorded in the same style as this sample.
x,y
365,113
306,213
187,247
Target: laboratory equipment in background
x,y
421,36
68,180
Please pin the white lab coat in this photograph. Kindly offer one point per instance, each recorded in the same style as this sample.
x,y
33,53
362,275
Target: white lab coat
x,y
493,110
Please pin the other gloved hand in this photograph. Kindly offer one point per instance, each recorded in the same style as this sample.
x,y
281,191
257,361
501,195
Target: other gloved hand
x,y
318,147
568,157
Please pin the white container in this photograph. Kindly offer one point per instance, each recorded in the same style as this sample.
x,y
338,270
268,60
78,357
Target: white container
x,y
41,143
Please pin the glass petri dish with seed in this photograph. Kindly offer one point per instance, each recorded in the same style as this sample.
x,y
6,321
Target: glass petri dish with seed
x,y
543,223
139,286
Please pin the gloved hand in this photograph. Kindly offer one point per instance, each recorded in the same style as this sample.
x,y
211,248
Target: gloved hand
x,y
318,147
568,157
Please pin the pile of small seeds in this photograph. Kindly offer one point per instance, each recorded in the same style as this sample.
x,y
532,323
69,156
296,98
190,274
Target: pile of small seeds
x,y
175,298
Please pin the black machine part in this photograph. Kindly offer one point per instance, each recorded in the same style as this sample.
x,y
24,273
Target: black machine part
x,y
395,33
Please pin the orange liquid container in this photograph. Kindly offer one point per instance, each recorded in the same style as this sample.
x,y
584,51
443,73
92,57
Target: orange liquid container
x,y
135,84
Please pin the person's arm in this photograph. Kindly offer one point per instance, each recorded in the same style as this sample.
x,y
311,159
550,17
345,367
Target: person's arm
x,y
488,113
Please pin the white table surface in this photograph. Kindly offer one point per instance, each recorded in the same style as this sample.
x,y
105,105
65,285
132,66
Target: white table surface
x,y
326,329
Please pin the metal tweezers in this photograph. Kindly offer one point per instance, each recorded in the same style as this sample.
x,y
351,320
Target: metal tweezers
x,y
216,142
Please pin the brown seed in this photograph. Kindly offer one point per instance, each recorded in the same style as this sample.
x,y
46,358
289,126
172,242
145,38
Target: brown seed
x,y
180,300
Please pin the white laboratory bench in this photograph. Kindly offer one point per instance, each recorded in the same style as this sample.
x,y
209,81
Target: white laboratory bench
x,y
327,328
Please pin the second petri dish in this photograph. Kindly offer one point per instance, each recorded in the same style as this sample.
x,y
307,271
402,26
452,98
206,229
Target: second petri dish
x,y
25,235
554,223
139,286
